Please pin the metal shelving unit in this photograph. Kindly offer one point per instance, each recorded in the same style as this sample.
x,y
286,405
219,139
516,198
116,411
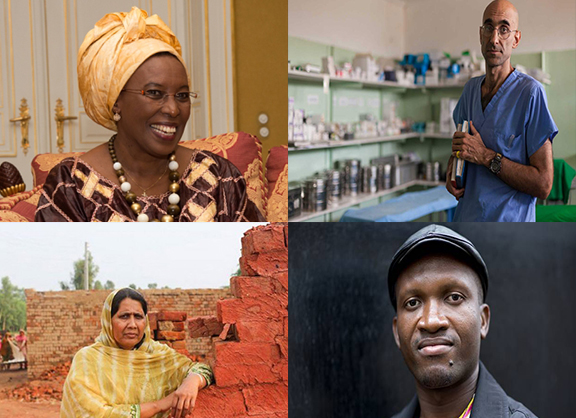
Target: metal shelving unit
x,y
304,76
331,145
319,78
309,146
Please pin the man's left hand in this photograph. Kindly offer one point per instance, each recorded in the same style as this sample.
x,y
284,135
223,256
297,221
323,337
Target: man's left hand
x,y
471,147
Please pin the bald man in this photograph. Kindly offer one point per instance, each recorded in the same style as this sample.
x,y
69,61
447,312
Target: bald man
x,y
509,147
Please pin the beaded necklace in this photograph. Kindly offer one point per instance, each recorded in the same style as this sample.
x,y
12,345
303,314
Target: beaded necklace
x,y
468,410
173,208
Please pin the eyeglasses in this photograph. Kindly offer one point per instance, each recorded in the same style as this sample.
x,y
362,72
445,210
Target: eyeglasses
x,y
504,32
160,96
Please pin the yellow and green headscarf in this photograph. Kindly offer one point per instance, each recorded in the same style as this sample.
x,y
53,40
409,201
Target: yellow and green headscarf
x,y
106,381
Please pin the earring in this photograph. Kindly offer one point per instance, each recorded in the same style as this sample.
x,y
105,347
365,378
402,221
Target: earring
x,y
117,116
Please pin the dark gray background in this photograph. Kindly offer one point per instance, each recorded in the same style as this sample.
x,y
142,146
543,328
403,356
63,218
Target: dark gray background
x,y
343,359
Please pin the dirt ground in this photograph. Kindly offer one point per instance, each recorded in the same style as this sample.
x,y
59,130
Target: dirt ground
x,y
9,379
9,408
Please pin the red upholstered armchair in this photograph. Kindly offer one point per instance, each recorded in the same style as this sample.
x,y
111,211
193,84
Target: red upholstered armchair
x,y
267,187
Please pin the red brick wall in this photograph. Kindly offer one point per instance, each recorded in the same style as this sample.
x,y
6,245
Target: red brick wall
x,y
251,364
60,323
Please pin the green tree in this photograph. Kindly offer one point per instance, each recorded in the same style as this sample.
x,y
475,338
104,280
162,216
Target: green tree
x,y
238,272
77,275
133,286
12,306
109,285
152,285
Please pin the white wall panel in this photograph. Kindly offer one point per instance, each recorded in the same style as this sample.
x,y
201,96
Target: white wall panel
x,y
394,27
375,26
452,25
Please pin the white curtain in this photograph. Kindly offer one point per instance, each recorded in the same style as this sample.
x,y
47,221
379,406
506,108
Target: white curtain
x,y
18,356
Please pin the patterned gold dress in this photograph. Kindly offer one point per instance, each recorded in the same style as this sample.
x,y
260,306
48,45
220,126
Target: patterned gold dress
x,y
211,190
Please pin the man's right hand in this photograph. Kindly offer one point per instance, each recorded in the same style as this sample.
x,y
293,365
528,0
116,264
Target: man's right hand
x,y
457,193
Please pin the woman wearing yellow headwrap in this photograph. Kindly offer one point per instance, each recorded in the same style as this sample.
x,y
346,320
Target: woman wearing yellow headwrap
x,y
127,374
133,80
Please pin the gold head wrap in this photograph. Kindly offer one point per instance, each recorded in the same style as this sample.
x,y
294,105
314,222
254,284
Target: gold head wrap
x,y
112,51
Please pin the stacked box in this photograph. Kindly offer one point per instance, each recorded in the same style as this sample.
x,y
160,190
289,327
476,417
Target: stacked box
x,y
298,129
447,107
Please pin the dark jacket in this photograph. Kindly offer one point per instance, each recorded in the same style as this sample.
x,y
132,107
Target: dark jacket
x,y
490,402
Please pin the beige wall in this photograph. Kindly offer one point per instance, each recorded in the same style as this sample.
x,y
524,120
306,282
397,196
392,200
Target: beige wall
x,y
395,27
452,25
375,26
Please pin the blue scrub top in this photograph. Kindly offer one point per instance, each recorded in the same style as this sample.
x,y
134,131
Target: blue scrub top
x,y
516,123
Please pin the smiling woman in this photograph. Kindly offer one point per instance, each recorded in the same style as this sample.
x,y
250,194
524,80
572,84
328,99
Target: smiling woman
x,y
127,374
133,80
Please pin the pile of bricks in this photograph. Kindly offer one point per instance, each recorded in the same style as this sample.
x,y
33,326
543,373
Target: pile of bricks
x,y
48,386
250,334
168,328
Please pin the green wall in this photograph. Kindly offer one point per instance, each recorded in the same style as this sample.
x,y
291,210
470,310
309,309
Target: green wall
x,y
301,51
346,101
416,104
561,65
562,101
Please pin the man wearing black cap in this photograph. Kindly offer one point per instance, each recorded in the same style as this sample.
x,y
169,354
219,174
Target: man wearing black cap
x,y
438,284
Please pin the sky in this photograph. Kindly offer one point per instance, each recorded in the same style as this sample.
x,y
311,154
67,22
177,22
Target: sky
x,y
179,255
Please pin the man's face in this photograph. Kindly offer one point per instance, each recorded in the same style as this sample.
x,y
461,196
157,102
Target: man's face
x,y
440,319
497,51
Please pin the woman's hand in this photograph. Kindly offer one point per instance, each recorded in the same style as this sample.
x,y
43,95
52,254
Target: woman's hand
x,y
185,396
165,403
149,409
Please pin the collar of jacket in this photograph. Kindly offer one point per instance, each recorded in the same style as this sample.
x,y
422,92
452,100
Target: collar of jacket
x,y
490,402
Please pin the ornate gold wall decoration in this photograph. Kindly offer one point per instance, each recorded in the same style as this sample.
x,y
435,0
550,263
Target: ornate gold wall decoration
x,y
23,119
60,118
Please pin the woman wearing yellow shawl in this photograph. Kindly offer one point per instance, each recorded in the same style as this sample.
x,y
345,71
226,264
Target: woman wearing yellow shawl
x,y
127,374
133,80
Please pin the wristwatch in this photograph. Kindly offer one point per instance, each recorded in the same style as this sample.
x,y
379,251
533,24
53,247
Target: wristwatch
x,y
496,164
